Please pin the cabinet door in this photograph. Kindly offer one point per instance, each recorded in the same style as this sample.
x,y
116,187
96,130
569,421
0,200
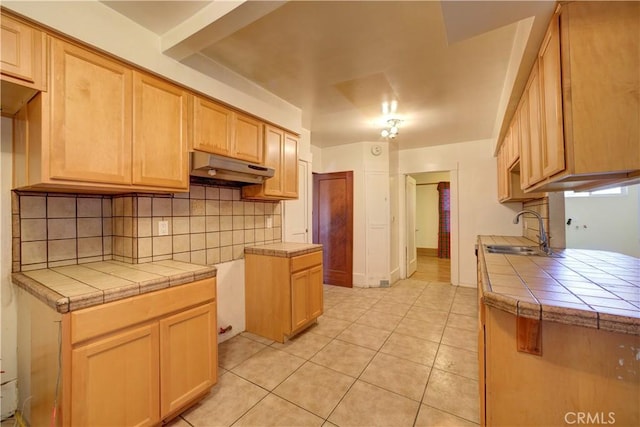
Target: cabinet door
x,y
552,154
116,379
212,127
188,357
289,172
248,143
160,132
532,152
273,146
21,52
315,292
90,136
299,299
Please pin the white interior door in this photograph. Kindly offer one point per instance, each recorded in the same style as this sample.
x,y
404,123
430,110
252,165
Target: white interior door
x,y
411,251
296,212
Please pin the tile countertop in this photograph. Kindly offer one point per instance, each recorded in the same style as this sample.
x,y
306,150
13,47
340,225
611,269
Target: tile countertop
x,y
78,286
283,249
591,288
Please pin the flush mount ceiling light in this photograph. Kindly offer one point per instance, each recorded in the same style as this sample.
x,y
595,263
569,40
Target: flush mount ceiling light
x,y
391,120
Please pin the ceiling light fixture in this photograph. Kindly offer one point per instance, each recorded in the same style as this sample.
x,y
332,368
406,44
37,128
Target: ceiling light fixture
x,y
390,119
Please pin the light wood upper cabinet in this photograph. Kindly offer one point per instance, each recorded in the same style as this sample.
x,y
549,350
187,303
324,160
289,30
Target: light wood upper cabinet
x,y
160,133
280,153
220,130
22,62
588,98
89,105
102,127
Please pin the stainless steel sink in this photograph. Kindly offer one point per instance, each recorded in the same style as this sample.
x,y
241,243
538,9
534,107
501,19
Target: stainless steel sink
x,y
514,250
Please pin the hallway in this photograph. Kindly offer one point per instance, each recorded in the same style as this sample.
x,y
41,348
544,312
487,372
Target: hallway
x,y
433,269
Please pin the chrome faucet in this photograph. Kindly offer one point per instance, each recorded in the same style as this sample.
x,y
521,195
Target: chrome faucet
x,y
544,238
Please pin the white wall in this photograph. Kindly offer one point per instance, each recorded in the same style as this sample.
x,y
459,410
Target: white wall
x,y
608,222
8,306
474,197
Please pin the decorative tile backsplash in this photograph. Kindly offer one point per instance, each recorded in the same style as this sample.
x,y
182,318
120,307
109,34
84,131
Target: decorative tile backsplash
x,y
208,225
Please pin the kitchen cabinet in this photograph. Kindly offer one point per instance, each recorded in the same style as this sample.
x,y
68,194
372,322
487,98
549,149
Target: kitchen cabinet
x,y
283,295
22,62
136,361
221,130
280,153
102,127
530,132
589,108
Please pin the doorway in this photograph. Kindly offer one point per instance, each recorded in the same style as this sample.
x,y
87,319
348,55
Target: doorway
x,y
333,225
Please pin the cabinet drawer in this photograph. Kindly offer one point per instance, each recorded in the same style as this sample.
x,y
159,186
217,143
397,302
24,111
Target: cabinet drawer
x,y
95,321
305,261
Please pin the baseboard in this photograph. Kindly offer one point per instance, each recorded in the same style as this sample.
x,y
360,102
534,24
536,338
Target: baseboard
x,y
427,251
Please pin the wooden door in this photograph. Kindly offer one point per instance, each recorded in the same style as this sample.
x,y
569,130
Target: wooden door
x,y
552,154
160,145
115,380
188,357
333,225
248,144
412,250
91,102
212,127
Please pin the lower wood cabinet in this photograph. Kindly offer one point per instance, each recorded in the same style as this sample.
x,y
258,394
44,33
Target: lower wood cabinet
x,y
138,361
283,295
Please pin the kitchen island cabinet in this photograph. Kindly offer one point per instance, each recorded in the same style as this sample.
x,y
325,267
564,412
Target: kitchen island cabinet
x,y
140,359
557,338
283,288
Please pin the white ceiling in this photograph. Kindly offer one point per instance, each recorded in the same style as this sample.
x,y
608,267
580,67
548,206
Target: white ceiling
x,y
445,62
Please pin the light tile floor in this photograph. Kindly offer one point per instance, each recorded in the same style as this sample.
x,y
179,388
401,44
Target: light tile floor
x,y
399,356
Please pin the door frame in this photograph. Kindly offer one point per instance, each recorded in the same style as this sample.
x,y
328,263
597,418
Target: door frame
x,y
411,253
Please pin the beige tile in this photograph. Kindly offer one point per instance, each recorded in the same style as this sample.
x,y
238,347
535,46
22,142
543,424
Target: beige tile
x,y
33,229
461,338
199,257
155,222
89,227
161,206
197,192
344,357
428,417
268,368
411,348
226,206
454,394
144,206
257,338
161,245
274,411
365,336
378,319
315,388
392,308
33,252
344,313
227,402
420,329
197,241
33,207
397,375
236,350
226,223
89,247
212,223
61,207
237,237
181,243
368,405
197,207
213,256
226,238
329,326
249,222
59,250
144,227
177,422
180,207
197,224
89,207
238,222
212,193
61,228
107,207
180,224
429,315
212,207
226,253
305,344
457,361
460,321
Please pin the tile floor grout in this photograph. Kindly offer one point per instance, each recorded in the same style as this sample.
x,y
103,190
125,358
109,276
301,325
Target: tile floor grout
x,y
336,301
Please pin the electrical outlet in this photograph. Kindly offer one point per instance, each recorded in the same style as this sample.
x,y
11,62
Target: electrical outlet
x,y
269,221
163,228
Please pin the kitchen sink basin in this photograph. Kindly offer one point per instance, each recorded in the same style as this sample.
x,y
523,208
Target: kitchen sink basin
x,y
514,250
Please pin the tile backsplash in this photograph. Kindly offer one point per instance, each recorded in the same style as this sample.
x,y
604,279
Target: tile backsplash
x,y
208,225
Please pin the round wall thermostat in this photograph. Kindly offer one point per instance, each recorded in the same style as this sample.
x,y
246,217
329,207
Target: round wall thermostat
x,y
376,150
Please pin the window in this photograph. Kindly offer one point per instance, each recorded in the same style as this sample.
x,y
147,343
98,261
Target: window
x,y
613,191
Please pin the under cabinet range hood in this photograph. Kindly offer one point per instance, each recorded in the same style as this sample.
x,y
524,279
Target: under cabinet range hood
x,y
220,168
